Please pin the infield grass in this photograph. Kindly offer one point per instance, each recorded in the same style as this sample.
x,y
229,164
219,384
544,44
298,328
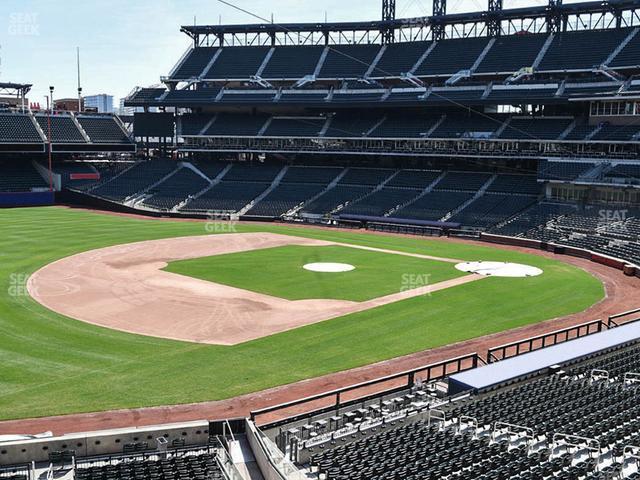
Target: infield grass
x,y
279,272
54,365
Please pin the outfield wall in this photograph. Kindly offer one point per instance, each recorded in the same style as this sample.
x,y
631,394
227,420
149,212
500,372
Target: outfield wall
x,y
26,199
402,228
627,268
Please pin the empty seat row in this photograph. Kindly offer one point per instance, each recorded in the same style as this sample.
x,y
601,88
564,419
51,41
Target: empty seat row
x,y
567,51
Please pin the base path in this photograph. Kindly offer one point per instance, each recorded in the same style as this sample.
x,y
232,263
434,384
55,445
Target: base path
x,y
124,288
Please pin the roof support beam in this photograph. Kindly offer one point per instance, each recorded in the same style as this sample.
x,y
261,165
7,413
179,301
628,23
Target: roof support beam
x,y
437,26
553,14
494,23
555,17
388,16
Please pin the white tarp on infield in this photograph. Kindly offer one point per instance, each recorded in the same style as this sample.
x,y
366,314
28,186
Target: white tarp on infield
x,y
329,267
499,269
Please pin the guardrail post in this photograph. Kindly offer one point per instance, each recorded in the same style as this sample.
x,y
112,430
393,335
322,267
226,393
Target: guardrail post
x,y
491,358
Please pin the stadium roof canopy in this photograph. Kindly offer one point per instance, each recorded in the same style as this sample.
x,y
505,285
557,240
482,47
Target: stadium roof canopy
x,y
620,13
9,88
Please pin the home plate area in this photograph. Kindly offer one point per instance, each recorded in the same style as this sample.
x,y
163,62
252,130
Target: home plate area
x,y
128,288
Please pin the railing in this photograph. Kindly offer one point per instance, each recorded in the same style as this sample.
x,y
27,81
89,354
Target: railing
x,y
430,147
631,453
333,399
150,454
615,320
270,459
563,441
631,378
531,344
404,228
26,471
226,462
510,429
227,430
465,233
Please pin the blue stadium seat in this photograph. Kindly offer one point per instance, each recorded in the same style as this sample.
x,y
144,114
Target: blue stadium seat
x,y
348,61
292,62
581,50
194,63
236,63
510,53
451,56
18,128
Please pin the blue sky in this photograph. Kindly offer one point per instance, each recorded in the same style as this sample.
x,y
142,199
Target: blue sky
x,y
128,43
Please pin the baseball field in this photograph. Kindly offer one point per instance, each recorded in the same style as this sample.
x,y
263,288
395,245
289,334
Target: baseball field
x,y
403,295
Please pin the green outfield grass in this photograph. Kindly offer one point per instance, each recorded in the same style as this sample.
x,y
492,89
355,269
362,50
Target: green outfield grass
x,y
279,272
55,365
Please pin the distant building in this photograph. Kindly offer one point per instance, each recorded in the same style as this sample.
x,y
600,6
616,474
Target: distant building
x,y
13,102
67,104
102,103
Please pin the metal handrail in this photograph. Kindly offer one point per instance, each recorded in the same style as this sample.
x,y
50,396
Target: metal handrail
x,y
410,374
611,319
226,462
554,335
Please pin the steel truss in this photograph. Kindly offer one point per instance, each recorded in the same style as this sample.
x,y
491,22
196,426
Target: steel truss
x,y
17,90
555,17
388,16
494,23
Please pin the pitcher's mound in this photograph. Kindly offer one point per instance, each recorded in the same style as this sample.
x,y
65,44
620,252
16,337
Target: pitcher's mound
x,y
499,269
329,267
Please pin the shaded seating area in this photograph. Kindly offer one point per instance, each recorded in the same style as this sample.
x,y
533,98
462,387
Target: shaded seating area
x,y
434,206
334,198
492,208
20,176
103,129
18,128
236,63
175,189
135,180
194,63
63,129
284,198
226,196
381,202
